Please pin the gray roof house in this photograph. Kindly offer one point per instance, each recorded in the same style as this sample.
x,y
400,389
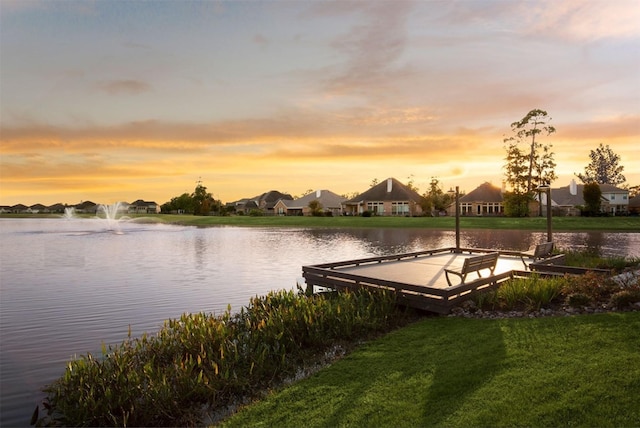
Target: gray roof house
x,y
264,202
570,198
330,203
388,198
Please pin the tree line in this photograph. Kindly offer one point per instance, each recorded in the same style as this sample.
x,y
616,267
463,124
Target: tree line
x,y
529,166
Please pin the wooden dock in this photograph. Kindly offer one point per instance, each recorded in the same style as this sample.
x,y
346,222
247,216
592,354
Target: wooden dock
x,y
418,278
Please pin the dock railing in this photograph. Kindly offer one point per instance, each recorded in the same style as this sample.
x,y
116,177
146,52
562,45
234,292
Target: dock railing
x,y
436,299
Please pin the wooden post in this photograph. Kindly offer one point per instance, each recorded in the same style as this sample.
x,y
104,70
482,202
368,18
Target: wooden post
x,y
457,219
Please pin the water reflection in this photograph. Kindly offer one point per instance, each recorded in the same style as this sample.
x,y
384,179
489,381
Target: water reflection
x,y
68,285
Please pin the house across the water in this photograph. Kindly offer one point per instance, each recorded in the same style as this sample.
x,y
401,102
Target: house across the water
x,y
389,198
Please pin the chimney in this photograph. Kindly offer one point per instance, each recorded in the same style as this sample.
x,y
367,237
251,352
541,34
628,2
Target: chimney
x,y
573,188
318,193
389,185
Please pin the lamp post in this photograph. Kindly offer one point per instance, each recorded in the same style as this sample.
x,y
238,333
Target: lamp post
x,y
457,199
547,189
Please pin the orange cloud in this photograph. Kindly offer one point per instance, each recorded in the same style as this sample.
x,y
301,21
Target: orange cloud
x,y
128,87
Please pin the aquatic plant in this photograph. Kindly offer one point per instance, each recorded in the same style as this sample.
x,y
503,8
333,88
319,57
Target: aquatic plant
x,y
202,361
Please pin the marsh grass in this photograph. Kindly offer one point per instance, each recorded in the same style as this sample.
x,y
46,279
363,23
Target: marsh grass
x,y
533,293
592,260
529,294
204,361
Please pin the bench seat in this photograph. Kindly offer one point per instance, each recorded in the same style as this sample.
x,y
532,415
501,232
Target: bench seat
x,y
474,264
539,252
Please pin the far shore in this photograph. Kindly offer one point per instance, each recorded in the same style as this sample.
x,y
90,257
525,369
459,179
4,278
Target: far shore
x,y
559,224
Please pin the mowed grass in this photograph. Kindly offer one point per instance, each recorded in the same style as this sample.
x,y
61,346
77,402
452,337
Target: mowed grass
x,y
456,372
630,224
626,224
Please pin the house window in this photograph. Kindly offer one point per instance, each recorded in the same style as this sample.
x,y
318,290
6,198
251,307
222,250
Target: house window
x,y
399,208
466,207
494,207
376,207
613,197
624,197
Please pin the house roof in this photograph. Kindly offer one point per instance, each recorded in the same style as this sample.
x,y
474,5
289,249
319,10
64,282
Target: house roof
x,y
610,188
563,197
634,202
327,199
271,197
86,204
381,192
268,199
141,203
486,192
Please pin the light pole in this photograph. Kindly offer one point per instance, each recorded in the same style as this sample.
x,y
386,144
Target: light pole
x,y
547,188
457,199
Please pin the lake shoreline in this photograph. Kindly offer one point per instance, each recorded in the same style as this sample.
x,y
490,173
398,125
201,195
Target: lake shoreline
x,y
559,224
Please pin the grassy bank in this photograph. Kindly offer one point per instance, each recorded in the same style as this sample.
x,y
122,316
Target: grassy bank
x,y
559,371
624,224
627,224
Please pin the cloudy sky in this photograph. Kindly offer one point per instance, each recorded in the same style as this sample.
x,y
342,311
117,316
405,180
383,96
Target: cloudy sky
x,y
122,100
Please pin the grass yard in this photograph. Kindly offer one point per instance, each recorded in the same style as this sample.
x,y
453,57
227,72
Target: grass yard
x,y
456,372
622,224
629,224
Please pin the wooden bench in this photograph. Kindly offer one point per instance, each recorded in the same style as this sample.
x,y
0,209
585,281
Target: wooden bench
x,y
539,252
474,264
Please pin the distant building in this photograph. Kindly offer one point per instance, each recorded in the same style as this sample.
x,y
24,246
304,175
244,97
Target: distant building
x,y
86,207
569,199
143,207
484,200
19,209
36,209
264,203
389,198
329,203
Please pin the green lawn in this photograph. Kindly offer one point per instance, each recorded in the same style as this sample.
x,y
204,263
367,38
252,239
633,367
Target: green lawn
x,y
556,371
629,224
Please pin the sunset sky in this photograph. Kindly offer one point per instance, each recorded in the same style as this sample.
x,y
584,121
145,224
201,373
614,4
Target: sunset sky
x,y
123,100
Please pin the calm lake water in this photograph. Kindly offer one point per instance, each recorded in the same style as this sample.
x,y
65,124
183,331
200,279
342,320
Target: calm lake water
x,y
67,286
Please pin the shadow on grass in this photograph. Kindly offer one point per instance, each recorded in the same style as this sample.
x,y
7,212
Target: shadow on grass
x,y
556,371
473,358
416,376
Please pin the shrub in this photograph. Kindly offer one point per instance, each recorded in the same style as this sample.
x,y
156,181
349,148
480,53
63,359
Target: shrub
x,y
596,287
577,300
625,298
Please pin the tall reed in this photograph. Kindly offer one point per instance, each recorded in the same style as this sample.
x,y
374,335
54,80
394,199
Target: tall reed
x,y
205,361
530,294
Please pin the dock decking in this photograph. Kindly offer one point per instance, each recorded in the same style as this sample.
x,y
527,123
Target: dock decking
x,y
418,278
